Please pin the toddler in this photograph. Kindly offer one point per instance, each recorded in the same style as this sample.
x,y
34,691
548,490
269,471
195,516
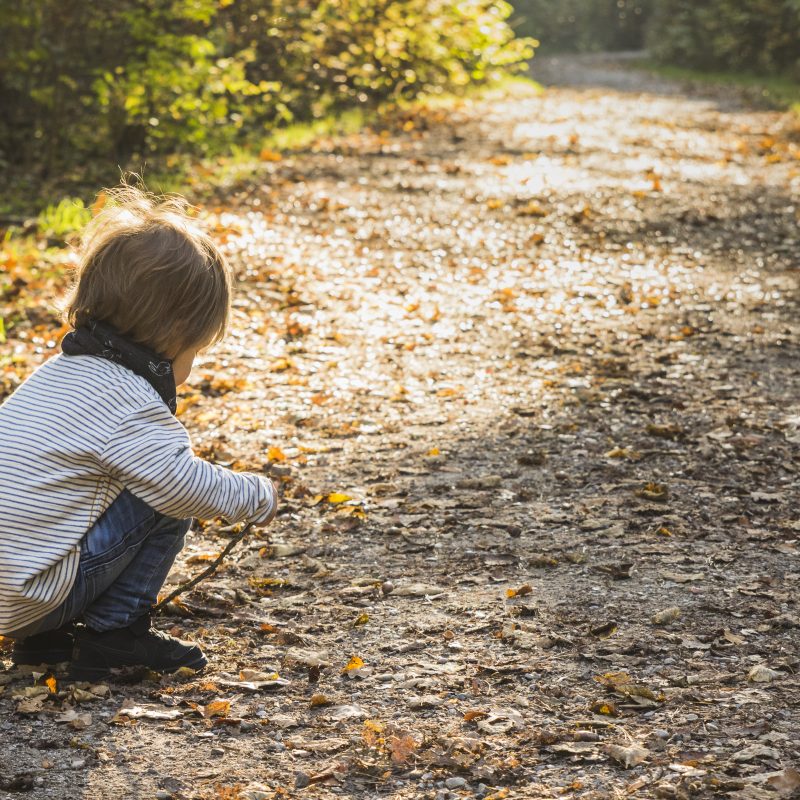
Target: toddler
x,y
98,482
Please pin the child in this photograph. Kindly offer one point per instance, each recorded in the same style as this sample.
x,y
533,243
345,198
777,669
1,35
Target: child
x,y
98,481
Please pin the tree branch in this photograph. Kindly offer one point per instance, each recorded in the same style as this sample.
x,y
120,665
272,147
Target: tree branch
x,y
209,570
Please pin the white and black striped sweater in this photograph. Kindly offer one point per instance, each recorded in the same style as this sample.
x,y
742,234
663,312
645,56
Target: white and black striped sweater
x,y
76,433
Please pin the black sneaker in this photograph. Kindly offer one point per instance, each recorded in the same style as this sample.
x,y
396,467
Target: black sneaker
x,y
138,645
50,647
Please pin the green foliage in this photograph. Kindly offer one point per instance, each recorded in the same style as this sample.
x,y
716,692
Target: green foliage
x,y
58,221
757,36
583,25
129,79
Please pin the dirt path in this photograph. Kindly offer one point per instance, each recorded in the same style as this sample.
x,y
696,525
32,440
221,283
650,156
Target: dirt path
x,y
548,347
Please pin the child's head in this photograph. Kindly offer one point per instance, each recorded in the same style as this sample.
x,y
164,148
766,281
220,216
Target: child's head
x,y
150,273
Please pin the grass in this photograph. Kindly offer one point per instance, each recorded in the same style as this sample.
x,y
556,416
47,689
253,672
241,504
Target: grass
x,y
773,91
185,176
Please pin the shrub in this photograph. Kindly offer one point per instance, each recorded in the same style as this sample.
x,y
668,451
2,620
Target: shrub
x,y
82,81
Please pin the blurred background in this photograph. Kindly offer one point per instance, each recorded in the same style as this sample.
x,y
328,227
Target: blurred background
x,y
90,89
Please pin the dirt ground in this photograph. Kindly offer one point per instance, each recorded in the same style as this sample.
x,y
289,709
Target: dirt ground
x,y
526,373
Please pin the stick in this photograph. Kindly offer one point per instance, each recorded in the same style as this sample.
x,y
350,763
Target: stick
x,y
209,570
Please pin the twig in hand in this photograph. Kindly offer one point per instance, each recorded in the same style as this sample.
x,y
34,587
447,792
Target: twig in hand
x,y
209,570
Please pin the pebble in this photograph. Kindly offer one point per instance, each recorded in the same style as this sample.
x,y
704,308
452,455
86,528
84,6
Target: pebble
x,y
162,794
660,733
482,789
455,783
301,780
691,717
217,751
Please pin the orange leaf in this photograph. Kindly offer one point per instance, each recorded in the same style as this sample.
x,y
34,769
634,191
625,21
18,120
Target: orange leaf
x,y
218,708
354,663
98,204
276,454
401,747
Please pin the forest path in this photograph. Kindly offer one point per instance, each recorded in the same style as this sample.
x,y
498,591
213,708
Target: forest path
x,y
547,344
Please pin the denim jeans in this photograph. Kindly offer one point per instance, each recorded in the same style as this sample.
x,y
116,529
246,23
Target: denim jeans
x,y
125,558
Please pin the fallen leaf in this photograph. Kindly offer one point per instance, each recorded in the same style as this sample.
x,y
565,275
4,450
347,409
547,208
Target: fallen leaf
x,y
344,712
77,720
318,700
655,492
604,631
217,708
786,783
30,705
666,616
755,752
501,720
275,454
132,710
683,577
401,747
628,756
418,590
338,497
354,663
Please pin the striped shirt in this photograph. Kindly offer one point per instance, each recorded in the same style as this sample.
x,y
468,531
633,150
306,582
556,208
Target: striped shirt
x,y
76,433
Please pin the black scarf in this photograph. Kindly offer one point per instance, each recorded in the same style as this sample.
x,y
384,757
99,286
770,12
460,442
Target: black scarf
x,y
100,339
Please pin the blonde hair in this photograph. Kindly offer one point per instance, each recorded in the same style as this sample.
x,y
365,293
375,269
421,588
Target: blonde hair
x,y
148,271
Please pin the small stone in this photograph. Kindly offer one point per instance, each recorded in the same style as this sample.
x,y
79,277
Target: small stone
x,y
660,733
762,674
426,701
163,794
301,780
217,751
455,783
387,587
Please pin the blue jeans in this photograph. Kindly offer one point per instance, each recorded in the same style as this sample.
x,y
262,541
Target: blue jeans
x,y
125,559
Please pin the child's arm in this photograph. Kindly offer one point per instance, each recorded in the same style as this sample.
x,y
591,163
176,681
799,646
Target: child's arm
x,y
151,454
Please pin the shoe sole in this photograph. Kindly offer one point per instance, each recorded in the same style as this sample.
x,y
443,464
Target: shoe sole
x,y
79,672
33,659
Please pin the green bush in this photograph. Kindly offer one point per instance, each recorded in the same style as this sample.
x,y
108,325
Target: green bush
x,y
583,25
85,81
756,36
